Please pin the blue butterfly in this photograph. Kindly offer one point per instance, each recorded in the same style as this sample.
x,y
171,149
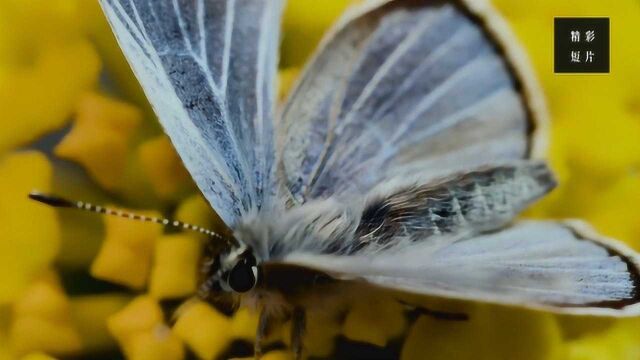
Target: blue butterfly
x,y
400,160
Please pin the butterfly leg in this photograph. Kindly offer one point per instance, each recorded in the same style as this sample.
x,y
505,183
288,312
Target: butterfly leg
x,y
442,315
298,324
261,333
415,310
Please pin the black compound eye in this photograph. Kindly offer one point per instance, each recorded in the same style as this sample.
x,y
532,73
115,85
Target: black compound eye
x,y
243,277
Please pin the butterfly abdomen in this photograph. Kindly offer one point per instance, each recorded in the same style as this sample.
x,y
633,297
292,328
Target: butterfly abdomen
x,y
465,203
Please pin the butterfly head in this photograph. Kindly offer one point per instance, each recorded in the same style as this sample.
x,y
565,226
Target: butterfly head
x,y
234,269
228,265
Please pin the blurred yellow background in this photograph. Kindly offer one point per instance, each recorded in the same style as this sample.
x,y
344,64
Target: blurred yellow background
x,y
79,285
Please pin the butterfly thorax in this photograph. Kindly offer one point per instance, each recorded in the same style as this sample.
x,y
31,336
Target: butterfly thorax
x,y
321,226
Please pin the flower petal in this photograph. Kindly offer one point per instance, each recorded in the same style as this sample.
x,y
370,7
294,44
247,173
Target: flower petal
x,y
159,344
27,247
490,333
163,167
388,323
305,21
620,342
175,266
100,137
125,256
140,330
204,329
90,313
42,320
37,93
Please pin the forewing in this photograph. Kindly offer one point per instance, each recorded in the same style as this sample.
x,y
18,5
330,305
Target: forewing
x,y
397,88
561,267
208,69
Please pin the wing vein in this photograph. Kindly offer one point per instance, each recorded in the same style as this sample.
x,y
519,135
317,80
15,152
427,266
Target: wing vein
x,y
200,14
401,49
183,30
436,93
228,38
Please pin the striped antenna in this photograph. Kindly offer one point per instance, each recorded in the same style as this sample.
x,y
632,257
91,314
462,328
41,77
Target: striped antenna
x,y
59,202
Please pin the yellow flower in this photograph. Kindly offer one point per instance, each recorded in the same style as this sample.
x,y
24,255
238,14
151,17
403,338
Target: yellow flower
x,y
620,342
26,248
100,137
388,323
117,154
41,320
37,356
90,313
126,254
204,329
37,93
305,22
163,167
142,333
490,333
175,269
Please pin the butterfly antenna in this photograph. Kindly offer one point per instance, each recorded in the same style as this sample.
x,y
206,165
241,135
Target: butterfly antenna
x,y
60,202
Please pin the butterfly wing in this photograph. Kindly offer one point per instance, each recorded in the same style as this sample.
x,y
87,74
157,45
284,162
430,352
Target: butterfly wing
x,y
404,86
208,69
451,238
558,266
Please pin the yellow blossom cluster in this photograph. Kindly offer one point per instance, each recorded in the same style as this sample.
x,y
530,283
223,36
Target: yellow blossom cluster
x,y
74,122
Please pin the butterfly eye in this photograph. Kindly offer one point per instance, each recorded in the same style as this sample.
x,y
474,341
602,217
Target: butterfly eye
x,y
243,277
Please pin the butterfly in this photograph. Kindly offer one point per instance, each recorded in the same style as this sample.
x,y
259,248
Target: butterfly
x,y
400,160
